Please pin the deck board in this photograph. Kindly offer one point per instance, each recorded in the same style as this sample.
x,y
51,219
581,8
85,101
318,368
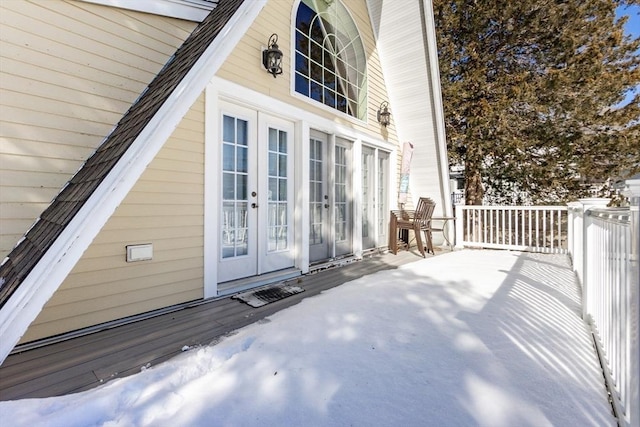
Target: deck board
x,y
85,362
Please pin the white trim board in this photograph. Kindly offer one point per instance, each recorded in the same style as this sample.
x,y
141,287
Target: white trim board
x,y
190,10
241,95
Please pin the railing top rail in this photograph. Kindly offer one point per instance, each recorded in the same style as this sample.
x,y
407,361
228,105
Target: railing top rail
x,y
621,215
513,208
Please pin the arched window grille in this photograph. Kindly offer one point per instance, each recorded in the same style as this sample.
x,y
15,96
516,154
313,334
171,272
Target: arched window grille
x,y
330,60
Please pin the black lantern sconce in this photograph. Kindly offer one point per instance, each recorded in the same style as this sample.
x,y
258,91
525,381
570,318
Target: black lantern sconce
x,y
384,115
272,56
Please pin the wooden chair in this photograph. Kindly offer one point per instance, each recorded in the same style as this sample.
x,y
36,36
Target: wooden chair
x,y
419,221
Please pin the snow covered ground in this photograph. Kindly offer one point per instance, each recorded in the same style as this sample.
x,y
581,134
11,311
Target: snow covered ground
x,y
469,338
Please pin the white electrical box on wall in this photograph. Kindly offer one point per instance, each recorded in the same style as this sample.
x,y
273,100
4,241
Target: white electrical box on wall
x,y
140,252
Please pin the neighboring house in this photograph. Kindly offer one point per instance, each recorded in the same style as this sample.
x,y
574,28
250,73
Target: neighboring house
x,y
180,169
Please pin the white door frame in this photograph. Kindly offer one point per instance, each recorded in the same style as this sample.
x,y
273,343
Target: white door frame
x,y
220,89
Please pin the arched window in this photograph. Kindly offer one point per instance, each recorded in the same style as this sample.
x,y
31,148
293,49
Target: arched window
x,y
330,59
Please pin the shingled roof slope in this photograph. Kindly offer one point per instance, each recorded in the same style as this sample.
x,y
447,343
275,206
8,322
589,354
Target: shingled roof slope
x,y
53,221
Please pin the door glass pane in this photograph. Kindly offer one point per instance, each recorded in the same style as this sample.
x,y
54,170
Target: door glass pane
x,y
229,129
273,163
242,126
283,142
228,229
234,239
242,242
242,160
278,223
367,192
273,189
241,188
273,139
382,208
228,157
282,191
228,186
340,194
315,192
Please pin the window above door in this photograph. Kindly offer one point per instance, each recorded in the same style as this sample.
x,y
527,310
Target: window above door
x,y
330,61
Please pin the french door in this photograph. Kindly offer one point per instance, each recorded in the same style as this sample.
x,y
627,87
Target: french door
x,y
368,198
256,194
375,208
382,202
330,197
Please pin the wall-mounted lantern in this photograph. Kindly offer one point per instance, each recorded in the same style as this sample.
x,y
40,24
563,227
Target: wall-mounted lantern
x,y
272,56
384,115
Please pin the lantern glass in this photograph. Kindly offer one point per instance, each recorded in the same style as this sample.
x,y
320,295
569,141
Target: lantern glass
x,y
384,115
272,57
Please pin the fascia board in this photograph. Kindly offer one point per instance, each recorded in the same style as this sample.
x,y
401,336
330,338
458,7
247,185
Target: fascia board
x,y
172,8
45,278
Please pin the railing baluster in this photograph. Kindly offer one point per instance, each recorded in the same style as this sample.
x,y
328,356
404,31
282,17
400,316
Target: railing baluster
x,y
558,215
551,238
544,230
484,227
537,229
515,228
491,228
509,226
523,227
474,226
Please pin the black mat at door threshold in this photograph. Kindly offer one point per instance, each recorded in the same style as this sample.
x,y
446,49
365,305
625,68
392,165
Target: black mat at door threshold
x,y
264,296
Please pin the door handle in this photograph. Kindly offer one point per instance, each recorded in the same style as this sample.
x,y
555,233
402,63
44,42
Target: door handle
x,y
326,205
254,205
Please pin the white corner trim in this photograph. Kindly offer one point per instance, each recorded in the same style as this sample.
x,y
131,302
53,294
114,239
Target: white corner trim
x,y
211,133
42,282
190,10
436,91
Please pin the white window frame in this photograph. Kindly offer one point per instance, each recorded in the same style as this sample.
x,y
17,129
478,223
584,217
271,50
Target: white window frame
x,y
362,117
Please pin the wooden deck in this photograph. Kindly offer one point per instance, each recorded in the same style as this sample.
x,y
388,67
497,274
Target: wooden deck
x,y
88,361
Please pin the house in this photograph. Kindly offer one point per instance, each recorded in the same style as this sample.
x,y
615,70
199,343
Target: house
x,y
149,159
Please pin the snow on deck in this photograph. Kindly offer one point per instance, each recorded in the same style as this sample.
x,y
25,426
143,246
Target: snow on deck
x,y
474,337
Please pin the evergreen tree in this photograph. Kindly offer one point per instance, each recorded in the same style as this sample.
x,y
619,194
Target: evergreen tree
x,y
531,92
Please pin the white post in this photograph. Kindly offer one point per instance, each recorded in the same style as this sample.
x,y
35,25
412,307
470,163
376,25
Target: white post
x,y
574,246
587,243
459,237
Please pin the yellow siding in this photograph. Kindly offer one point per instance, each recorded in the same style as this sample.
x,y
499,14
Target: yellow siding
x,y
244,66
165,207
69,70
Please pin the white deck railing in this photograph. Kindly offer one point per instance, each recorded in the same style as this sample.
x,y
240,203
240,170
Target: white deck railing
x,y
603,245
526,228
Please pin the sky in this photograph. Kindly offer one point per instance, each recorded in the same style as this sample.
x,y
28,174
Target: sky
x,y
466,338
633,24
632,27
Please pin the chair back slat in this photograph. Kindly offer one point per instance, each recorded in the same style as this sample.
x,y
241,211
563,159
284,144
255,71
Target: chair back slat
x,y
424,211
